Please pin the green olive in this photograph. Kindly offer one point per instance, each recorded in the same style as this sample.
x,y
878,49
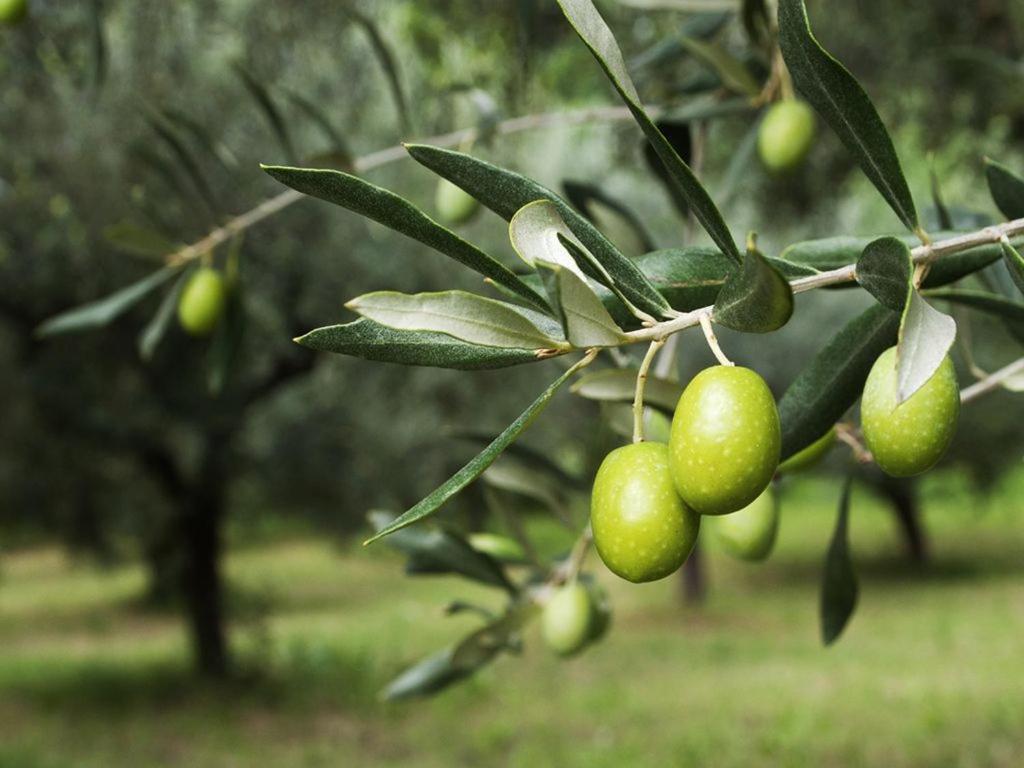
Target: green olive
x,y
642,529
725,440
202,302
455,206
749,533
566,623
811,455
13,11
499,547
911,437
786,135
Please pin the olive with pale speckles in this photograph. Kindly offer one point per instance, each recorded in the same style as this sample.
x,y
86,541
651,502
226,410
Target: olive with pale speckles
x,y
749,533
909,438
567,623
642,529
809,456
725,440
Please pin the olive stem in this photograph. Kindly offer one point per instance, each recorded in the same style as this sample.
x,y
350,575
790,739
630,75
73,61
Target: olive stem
x,y
850,435
992,381
709,334
641,384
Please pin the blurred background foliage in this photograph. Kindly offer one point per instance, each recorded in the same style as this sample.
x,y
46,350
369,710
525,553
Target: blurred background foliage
x,y
98,444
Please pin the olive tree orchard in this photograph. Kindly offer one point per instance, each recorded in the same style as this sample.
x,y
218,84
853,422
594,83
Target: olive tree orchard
x,y
578,297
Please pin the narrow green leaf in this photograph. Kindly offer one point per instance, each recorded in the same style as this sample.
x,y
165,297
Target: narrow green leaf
x,y
432,675
521,479
839,581
371,341
226,344
506,192
388,62
465,316
99,46
585,320
439,551
619,385
844,105
201,136
339,146
754,299
399,214
271,113
734,74
1014,264
756,22
992,303
534,232
613,217
481,461
157,327
941,211
524,454
186,159
99,313
1006,188
688,277
925,336
140,241
594,32
690,6
831,383
885,270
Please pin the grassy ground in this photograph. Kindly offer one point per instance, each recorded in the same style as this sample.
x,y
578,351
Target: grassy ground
x,y
930,672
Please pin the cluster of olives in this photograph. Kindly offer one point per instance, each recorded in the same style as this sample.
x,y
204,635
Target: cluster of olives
x,y
723,451
13,11
201,303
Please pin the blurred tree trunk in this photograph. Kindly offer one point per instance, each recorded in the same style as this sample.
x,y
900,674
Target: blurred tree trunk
x,y
202,585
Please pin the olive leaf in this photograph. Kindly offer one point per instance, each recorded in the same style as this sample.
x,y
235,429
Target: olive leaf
x,y
585,320
756,21
476,466
522,479
261,95
506,193
158,325
619,385
1006,188
138,241
399,214
942,213
925,336
534,231
733,73
227,339
442,551
843,104
756,298
372,341
831,383
101,312
839,581
885,270
992,303
465,316
594,32
1014,264
613,217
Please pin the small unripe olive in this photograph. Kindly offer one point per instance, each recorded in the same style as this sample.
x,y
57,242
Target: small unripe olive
x,y
642,529
749,533
202,302
786,135
567,621
455,206
911,437
499,547
811,455
725,440
13,11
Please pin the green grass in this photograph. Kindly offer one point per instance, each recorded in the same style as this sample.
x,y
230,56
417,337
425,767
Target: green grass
x,y
928,674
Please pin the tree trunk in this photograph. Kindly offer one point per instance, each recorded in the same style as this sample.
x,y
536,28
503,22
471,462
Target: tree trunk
x,y
902,494
202,584
693,586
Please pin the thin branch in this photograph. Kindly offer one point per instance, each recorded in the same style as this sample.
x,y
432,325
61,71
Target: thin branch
x,y
279,202
709,334
992,381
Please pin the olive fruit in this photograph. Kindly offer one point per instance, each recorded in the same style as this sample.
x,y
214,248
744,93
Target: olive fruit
x,y
499,547
749,533
642,529
911,437
785,135
811,455
567,621
725,440
202,302
13,11
454,205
